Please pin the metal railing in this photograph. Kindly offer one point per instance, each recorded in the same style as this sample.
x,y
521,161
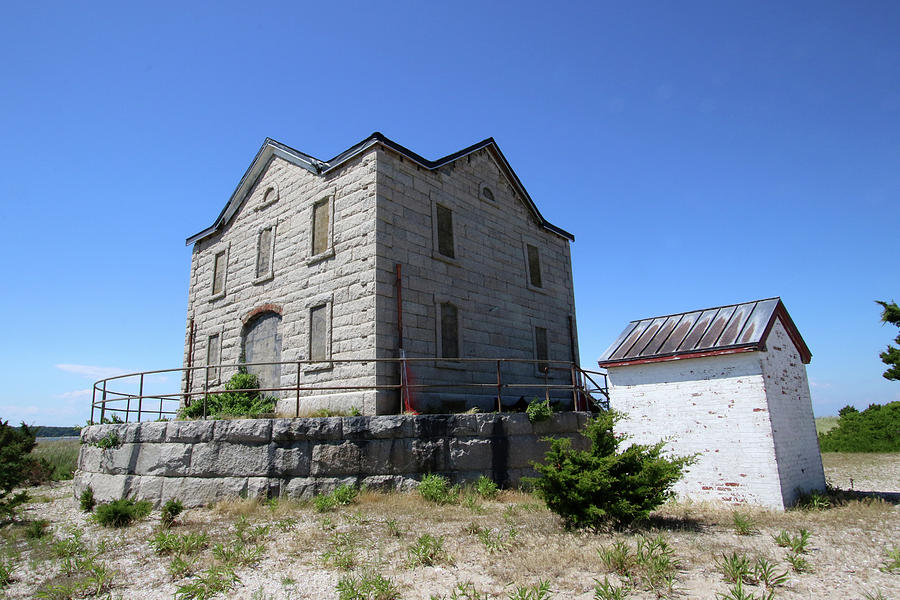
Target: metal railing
x,y
110,399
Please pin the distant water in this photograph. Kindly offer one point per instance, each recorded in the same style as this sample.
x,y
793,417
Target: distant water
x,y
61,438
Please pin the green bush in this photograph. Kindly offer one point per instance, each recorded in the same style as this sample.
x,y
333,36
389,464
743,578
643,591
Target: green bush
x,y
15,445
110,440
122,513
86,500
876,429
437,489
485,487
345,494
170,510
538,411
601,486
240,400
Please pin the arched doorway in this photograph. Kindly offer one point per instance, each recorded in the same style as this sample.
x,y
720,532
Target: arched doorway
x,y
261,342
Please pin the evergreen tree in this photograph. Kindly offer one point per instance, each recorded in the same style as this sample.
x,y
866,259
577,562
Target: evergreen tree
x,y
15,445
891,357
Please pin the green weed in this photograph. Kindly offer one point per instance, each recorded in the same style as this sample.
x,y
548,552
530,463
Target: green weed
x,y
110,440
217,579
486,488
170,511
891,562
604,590
797,543
537,591
165,543
798,563
36,529
426,551
367,586
342,554
735,568
437,489
86,500
122,513
743,523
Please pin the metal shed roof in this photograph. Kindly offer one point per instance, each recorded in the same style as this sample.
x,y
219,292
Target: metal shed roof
x,y
720,330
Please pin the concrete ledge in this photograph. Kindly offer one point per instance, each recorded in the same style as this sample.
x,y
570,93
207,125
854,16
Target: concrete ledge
x,y
199,462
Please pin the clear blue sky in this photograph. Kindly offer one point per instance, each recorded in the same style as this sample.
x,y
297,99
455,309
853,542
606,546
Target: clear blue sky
x,y
702,153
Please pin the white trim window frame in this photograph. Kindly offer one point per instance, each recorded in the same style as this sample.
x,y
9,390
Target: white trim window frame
x,y
448,362
322,302
443,207
269,273
214,270
328,250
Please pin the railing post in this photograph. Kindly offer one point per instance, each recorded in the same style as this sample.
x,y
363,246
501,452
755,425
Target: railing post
x,y
499,390
574,389
205,392
140,397
103,403
547,384
93,401
297,410
127,408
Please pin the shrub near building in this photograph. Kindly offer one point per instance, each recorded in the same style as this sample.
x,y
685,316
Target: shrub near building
x,y
876,429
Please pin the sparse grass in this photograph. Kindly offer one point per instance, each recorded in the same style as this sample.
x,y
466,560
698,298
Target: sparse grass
x,y
604,590
497,541
798,563
367,586
217,579
891,562
651,565
61,454
6,571
36,529
536,591
426,551
743,523
796,543
342,553
165,543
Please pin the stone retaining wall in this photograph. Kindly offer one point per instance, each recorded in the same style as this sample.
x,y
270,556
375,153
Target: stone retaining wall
x,y
199,462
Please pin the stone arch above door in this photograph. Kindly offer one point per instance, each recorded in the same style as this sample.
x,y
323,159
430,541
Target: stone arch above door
x,y
261,342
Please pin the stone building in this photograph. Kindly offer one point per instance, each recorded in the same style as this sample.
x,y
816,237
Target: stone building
x,y
302,265
729,385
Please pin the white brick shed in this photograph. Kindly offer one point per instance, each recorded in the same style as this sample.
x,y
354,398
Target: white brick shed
x,y
728,384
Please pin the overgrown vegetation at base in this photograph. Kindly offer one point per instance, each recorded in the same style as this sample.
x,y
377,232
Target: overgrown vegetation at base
x,y
876,429
538,411
122,513
242,399
601,486
437,489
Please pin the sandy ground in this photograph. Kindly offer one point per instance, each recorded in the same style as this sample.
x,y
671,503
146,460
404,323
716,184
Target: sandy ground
x,y
847,550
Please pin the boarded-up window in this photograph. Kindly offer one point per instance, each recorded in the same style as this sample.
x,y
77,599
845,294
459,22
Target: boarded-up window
x,y
445,231
318,332
540,348
534,266
219,273
449,331
264,253
213,356
321,222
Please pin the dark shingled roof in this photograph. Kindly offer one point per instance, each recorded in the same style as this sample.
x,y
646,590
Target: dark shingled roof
x,y
720,330
272,148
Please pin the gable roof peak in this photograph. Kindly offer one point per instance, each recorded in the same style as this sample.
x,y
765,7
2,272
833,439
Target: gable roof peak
x,y
272,147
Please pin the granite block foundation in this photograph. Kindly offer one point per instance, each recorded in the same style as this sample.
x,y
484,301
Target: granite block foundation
x,y
198,462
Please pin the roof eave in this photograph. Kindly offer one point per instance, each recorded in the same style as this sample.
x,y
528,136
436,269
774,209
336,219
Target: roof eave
x,y
625,362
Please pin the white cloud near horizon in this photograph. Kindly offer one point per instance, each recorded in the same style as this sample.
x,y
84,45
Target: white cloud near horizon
x,y
75,394
92,371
